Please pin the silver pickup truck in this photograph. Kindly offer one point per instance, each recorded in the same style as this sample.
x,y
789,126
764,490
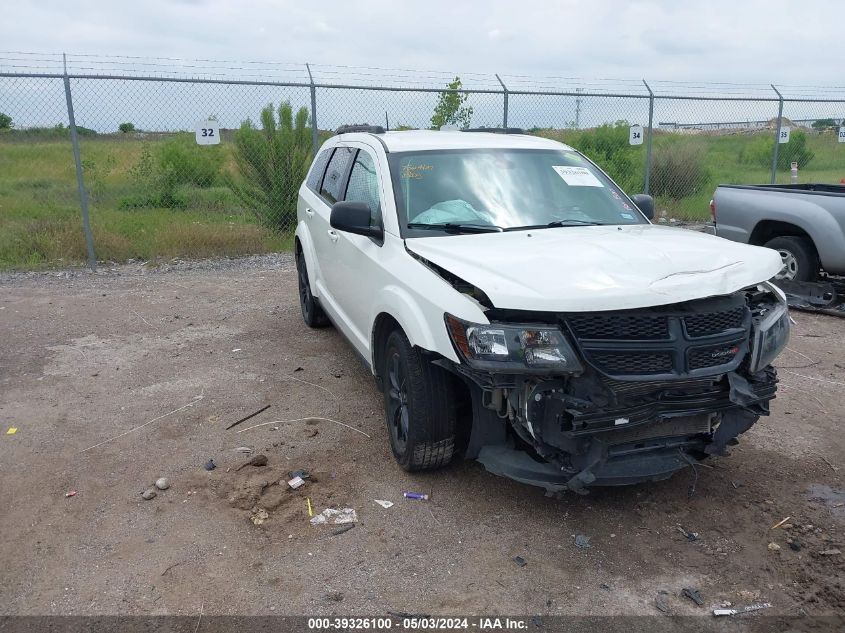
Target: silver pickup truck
x,y
804,223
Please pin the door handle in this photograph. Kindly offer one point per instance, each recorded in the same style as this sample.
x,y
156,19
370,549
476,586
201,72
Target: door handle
x,y
309,212
333,235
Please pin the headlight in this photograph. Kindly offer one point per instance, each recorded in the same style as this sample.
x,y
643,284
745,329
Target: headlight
x,y
523,347
770,334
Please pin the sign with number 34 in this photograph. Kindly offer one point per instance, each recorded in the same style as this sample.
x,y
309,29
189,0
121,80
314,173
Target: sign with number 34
x,y
208,133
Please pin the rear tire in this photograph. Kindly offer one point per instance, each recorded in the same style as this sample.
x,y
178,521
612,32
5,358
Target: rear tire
x,y
420,404
312,313
800,260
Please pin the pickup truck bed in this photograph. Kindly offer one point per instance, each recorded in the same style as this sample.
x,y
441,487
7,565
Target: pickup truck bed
x,y
805,223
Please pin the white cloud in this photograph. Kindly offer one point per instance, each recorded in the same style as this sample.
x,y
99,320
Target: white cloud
x,y
723,40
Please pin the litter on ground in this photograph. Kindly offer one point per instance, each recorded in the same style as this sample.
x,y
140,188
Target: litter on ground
x,y
335,517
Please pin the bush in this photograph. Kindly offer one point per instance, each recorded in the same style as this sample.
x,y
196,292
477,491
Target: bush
x,y
759,151
5,121
607,145
272,162
126,128
677,170
175,163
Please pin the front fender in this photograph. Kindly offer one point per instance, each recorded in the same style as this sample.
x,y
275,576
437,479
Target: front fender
x,y
422,320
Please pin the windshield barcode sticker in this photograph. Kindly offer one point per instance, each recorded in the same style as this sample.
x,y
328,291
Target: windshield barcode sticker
x,y
577,176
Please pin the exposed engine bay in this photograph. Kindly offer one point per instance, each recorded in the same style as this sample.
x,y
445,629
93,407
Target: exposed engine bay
x,y
651,391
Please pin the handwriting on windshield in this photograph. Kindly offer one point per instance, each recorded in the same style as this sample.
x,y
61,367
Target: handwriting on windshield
x,y
415,171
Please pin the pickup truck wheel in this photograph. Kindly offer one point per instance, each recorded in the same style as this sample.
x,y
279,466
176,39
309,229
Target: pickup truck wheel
x,y
312,313
800,260
420,406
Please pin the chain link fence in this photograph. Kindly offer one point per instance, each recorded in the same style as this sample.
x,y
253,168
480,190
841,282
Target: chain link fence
x,y
150,186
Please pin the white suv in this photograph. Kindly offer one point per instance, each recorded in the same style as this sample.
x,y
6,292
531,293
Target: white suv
x,y
517,307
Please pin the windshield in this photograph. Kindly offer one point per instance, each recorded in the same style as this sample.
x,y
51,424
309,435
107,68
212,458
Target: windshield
x,y
480,190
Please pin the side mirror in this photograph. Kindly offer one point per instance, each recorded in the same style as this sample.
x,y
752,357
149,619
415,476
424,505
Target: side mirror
x,y
354,217
645,203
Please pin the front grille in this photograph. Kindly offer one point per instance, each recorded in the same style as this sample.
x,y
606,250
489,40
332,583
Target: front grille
x,y
686,340
619,326
633,363
714,322
701,357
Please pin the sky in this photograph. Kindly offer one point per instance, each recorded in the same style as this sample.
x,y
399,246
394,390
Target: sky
x,y
758,41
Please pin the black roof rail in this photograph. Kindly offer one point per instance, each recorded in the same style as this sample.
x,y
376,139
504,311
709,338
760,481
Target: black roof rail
x,y
364,127
496,130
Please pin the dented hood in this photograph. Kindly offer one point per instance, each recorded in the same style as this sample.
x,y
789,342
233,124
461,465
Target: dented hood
x,y
587,268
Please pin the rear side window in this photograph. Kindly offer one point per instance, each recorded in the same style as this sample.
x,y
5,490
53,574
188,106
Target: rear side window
x,y
333,181
315,177
363,185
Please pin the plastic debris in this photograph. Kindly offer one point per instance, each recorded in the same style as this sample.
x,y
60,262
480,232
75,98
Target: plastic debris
x,y
70,493
519,560
830,552
210,465
748,609
259,516
581,541
693,595
243,449
774,547
12,430
162,483
335,517
298,473
690,536
660,603
308,504
383,503
296,482
416,495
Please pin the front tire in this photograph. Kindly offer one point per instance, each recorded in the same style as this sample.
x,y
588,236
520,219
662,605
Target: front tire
x,y
312,313
420,404
800,260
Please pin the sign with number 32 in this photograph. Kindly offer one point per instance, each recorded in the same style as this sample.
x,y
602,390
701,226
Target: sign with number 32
x,y
208,133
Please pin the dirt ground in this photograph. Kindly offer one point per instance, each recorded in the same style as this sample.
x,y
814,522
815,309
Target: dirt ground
x,y
117,378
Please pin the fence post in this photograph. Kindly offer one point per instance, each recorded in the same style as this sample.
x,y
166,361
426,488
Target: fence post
x,y
777,135
647,183
505,93
314,138
80,179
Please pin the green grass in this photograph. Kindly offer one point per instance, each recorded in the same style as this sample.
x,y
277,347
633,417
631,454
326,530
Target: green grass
x,y
40,219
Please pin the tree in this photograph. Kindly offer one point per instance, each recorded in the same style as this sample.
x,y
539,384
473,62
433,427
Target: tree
x,y
126,128
6,121
450,108
272,163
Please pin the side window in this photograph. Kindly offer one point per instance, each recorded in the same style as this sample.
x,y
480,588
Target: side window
x,y
363,185
315,176
331,189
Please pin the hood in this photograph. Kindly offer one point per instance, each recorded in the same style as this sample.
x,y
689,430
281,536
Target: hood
x,y
589,268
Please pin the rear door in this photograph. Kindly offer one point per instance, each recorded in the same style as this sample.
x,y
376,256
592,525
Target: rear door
x,y
331,190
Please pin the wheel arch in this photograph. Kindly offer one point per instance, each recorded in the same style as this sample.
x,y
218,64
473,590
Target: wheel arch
x,y
303,245
766,230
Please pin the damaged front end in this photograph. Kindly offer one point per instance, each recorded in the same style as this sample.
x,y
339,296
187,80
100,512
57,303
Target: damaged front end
x,y
566,401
